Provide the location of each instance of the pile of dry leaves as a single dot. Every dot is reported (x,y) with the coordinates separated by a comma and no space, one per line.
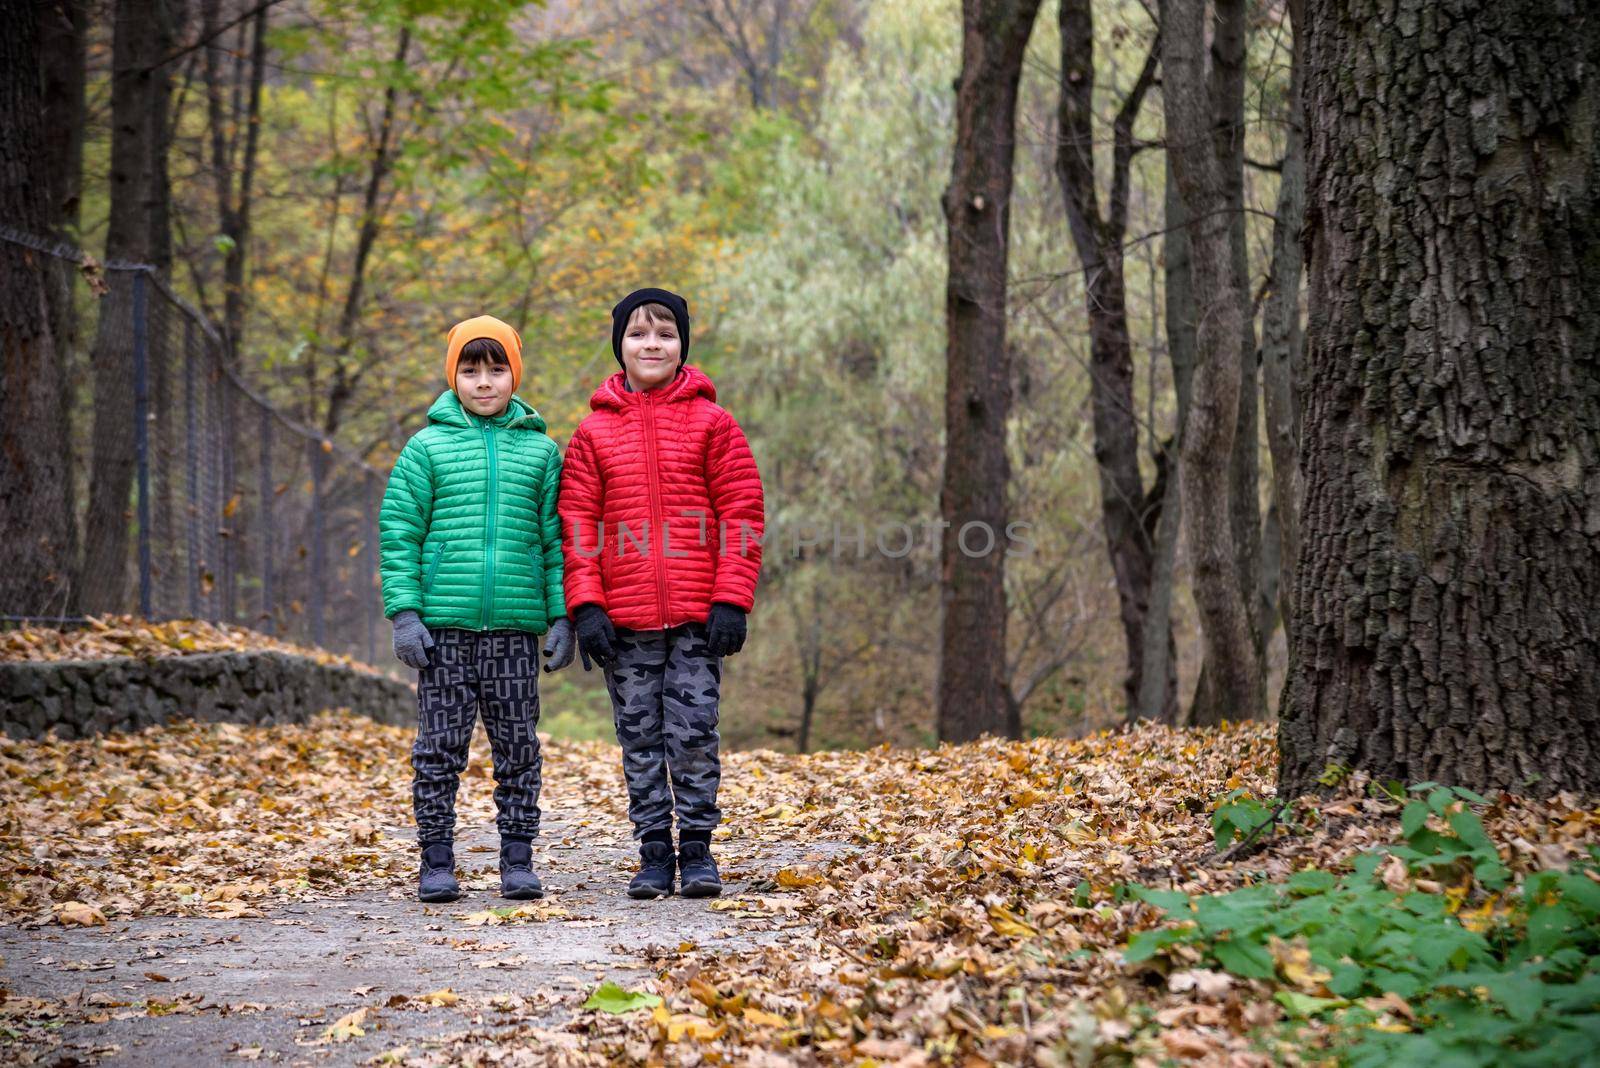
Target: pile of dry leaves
(968,915)
(113,636)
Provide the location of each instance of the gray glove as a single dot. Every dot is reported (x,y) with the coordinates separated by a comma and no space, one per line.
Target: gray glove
(411,639)
(558,645)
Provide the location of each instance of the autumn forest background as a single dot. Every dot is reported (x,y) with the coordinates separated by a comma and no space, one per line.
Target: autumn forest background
(339,183)
(1271,326)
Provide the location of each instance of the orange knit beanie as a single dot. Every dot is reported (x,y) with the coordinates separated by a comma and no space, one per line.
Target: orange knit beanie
(484,326)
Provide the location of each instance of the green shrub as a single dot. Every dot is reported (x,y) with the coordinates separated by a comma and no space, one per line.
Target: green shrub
(1494,971)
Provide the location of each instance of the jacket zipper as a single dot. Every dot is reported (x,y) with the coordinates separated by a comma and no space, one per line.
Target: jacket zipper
(657,531)
(488,531)
(433,566)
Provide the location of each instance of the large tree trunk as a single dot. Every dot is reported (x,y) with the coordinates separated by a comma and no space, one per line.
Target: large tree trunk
(1232,679)
(977,205)
(134,87)
(35,506)
(1446,625)
(64,45)
(1098,237)
(1280,334)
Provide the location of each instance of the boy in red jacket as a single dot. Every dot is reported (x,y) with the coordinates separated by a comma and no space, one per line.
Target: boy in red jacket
(661,525)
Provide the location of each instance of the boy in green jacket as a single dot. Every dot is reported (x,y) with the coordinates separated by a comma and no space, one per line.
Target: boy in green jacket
(472,572)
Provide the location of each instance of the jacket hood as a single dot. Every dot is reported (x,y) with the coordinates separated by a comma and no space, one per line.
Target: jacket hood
(691,382)
(519,414)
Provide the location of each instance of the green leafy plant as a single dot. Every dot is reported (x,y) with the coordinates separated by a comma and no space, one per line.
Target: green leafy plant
(1237,815)
(1491,971)
(1463,845)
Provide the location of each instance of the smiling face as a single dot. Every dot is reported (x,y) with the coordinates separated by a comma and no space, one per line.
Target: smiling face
(483,378)
(651,347)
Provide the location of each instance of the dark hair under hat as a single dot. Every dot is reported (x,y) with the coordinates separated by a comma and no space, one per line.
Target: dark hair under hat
(640,297)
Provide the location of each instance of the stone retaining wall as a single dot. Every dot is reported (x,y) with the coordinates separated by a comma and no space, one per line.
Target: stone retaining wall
(78,698)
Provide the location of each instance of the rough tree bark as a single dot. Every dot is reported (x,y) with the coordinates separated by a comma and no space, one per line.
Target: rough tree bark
(1446,625)
(35,511)
(1232,664)
(1098,237)
(971,697)
(64,27)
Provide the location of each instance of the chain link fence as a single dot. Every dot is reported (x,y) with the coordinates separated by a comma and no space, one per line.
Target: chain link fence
(236,513)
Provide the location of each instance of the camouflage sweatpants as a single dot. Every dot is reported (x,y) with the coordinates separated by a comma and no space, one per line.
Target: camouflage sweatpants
(495,672)
(664,687)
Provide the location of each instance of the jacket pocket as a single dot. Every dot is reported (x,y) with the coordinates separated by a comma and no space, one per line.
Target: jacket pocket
(433,566)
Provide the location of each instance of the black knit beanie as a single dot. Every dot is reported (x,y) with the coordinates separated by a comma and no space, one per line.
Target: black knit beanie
(633,301)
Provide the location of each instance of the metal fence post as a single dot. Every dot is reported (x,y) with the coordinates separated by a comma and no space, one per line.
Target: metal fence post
(371,600)
(228,528)
(193,484)
(318,550)
(141,433)
(267,533)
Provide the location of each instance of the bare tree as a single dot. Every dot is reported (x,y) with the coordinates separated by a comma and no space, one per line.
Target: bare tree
(346,377)
(235,136)
(754,33)
(971,695)
(1125,512)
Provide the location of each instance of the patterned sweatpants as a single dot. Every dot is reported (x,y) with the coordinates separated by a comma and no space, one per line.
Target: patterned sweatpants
(495,672)
(664,688)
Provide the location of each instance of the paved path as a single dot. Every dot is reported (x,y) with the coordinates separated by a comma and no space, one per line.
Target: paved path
(270,988)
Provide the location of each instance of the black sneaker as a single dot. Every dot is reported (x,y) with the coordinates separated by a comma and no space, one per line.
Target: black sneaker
(698,870)
(437,881)
(517,879)
(656,867)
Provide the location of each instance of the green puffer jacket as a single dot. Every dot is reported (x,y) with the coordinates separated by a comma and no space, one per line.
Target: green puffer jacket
(469,532)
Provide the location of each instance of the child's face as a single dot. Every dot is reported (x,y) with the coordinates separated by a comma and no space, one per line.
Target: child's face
(484,388)
(651,350)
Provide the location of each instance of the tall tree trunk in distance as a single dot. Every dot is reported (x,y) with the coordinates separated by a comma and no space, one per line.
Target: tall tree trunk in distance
(64,55)
(1446,625)
(229,130)
(134,52)
(1280,333)
(1156,701)
(35,509)
(1232,671)
(345,379)
(1098,237)
(1213,704)
(170,18)
(971,697)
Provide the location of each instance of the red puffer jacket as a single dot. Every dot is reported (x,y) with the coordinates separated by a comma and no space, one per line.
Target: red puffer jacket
(661,510)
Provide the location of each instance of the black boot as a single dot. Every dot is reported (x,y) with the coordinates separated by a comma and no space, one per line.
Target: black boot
(517,880)
(656,867)
(437,881)
(698,870)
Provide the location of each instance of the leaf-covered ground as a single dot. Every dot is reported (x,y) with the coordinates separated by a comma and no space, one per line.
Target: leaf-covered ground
(113,636)
(959,905)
